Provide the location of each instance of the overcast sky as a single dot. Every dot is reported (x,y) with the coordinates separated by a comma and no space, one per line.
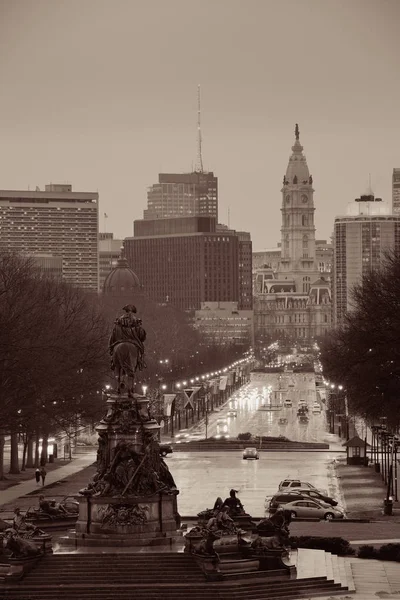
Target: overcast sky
(102,94)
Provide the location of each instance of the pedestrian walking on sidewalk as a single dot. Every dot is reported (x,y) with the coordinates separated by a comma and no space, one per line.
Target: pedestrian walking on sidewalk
(43,474)
(37,476)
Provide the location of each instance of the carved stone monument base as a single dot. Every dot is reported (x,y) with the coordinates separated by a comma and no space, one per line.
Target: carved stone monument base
(127,520)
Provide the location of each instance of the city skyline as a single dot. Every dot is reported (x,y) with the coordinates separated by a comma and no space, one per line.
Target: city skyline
(117,106)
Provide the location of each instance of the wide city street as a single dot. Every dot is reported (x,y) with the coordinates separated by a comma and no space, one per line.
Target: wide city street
(202,476)
(259,407)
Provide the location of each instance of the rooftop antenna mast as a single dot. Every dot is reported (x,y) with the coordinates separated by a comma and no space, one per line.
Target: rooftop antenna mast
(199,165)
(370,192)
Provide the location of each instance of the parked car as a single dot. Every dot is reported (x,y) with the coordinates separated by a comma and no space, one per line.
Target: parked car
(288,403)
(283,498)
(250,453)
(289,484)
(318,496)
(303,419)
(232,413)
(316,409)
(165,449)
(282,421)
(309,509)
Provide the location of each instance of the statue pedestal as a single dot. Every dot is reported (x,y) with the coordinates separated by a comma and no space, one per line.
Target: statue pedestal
(127,520)
(132,499)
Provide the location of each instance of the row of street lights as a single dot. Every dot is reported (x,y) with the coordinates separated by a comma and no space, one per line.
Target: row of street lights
(385,446)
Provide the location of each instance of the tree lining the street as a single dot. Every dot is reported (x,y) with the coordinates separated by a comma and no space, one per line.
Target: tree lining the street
(363,354)
(54,360)
(53,342)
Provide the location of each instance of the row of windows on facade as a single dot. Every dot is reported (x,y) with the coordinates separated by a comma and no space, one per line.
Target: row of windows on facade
(298,332)
(45,209)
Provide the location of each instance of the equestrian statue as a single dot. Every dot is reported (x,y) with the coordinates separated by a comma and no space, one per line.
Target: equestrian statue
(127,349)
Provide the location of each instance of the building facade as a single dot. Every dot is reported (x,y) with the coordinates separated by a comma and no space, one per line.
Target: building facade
(245,271)
(186,269)
(396,191)
(51,266)
(361,238)
(292,295)
(56,222)
(109,252)
(183,194)
(223,324)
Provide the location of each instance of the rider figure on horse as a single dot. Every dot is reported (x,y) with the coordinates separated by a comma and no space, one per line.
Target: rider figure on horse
(128,328)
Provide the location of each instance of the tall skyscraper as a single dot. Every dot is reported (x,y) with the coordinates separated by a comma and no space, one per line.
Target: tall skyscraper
(396,191)
(183,194)
(56,222)
(361,239)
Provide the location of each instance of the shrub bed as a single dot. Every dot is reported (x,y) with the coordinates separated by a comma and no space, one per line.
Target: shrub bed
(335,545)
(240,438)
(385,552)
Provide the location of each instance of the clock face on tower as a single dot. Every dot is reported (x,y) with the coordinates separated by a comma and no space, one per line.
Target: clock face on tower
(287,199)
(304,198)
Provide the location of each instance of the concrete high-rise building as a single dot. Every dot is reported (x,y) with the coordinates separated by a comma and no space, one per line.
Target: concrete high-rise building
(186,262)
(183,194)
(49,265)
(56,222)
(361,238)
(109,252)
(396,191)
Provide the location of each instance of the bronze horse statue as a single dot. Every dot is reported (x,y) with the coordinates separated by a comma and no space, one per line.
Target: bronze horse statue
(127,349)
(125,360)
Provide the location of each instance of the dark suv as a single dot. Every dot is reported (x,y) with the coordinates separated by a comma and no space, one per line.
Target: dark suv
(284,498)
(165,449)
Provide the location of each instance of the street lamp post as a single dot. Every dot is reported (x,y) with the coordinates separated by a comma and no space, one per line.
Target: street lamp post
(206,419)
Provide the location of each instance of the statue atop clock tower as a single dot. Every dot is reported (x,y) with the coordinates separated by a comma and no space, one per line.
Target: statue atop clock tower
(298,259)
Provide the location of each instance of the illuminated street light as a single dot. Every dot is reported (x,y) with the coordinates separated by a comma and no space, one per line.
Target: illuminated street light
(144,388)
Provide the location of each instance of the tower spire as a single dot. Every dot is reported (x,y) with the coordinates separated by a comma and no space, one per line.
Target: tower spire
(297,132)
(199,165)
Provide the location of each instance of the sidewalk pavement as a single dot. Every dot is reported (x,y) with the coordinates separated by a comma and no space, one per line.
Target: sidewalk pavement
(76,465)
(363,492)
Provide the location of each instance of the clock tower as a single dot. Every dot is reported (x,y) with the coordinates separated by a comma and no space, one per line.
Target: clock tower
(298,260)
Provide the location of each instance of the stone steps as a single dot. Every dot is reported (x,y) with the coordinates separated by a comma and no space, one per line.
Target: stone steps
(290,591)
(167,576)
(114,568)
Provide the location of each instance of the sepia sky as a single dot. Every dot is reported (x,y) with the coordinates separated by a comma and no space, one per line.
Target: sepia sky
(102,94)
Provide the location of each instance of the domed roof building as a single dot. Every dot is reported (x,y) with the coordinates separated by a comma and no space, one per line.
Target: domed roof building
(121,281)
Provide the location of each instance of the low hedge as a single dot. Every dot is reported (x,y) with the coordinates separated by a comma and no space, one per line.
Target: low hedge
(335,545)
(248,437)
(385,552)
(240,438)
